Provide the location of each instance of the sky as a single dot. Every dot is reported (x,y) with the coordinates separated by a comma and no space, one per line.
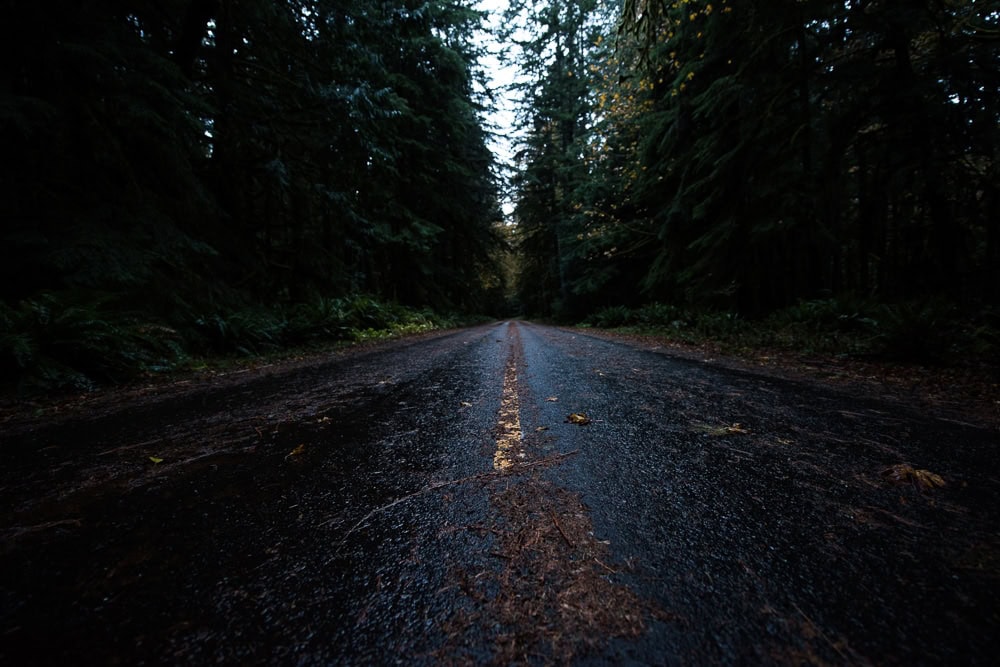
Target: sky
(501,76)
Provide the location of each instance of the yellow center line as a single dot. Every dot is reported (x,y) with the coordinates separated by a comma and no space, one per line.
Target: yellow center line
(509,426)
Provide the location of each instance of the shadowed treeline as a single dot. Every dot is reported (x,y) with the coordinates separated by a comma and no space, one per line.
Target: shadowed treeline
(177,172)
(752,157)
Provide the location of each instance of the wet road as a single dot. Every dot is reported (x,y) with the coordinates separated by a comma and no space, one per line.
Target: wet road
(432,502)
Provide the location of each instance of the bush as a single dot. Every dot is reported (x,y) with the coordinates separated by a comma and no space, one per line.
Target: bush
(844,315)
(925,331)
(613,316)
(245,332)
(980,338)
(322,319)
(915,331)
(663,315)
(75,340)
(78,340)
(719,325)
(686,324)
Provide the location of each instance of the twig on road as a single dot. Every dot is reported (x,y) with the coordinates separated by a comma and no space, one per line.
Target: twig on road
(602,564)
(135,446)
(820,632)
(20,531)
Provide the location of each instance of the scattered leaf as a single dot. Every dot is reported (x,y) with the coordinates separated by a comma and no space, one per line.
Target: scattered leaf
(578,418)
(904,473)
(298,451)
(552,399)
(541,428)
(466,404)
(156,459)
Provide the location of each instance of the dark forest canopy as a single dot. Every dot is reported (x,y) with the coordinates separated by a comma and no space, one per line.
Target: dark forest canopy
(180,160)
(191,175)
(281,147)
(747,155)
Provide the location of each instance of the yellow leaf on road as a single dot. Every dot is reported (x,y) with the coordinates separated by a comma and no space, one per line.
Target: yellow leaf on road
(298,451)
(578,418)
(904,473)
(155,459)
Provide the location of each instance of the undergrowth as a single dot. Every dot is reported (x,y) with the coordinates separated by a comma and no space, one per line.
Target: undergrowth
(81,340)
(925,332)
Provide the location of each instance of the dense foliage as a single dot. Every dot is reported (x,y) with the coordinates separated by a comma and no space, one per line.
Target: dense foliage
(749,156)
(173,165)
(192,176)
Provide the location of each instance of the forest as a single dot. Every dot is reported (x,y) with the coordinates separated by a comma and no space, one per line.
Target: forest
(187,178)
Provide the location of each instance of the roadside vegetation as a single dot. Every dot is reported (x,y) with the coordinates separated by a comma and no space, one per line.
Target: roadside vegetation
(917,332)
(57,342)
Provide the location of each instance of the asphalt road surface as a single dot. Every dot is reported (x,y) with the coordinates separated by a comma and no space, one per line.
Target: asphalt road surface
(505,494)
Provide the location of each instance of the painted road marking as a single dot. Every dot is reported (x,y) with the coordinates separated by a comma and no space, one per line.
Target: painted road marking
(509,427)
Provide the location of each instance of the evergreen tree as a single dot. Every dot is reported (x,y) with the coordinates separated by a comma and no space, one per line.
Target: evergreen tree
(272,149)
(557,100)
(806,148)
(102,146)
(173,164)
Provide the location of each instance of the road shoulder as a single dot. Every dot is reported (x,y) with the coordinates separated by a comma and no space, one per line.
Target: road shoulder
(968,396)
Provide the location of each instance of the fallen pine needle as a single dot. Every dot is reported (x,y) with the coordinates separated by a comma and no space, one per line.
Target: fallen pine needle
(19,531)
(819,631)
(601,563)
(561,531)
(127,447)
